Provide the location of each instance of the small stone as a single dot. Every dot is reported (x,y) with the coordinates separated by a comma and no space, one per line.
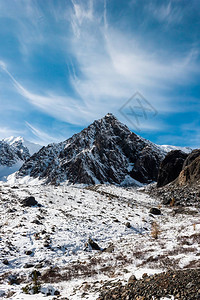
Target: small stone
(27,265)
(128,225)
(144,275)
(5,262)
(166,201)
(56,293)
(13,279)
(93,245)
(46,244)
(11,210)
(155,211)
(110,249)
(28,252)
(37,222)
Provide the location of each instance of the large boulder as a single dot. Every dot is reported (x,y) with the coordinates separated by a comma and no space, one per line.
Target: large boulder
(30,201)
(171,167)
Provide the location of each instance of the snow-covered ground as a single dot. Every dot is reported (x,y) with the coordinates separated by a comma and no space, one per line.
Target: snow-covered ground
(56,238)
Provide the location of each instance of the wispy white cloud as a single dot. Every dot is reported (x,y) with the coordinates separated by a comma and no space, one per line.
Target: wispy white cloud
(122,66)
(6,132)
(82,12)
(166,12)
(63,108)
(113,64)
(105,15)
(41,136)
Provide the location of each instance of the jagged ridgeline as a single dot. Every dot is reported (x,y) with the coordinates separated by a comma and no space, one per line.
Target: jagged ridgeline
(104,152)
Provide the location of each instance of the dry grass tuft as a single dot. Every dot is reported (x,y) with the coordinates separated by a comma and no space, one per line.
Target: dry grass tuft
(155,230)
(172,202)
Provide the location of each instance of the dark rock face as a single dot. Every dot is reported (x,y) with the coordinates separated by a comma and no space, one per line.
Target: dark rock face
(105,152)
(171,167)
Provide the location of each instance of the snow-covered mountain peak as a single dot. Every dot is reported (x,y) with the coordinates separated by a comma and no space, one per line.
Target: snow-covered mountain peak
(12,139)
(104,152)
(168,148)
(20,141)
(13,152)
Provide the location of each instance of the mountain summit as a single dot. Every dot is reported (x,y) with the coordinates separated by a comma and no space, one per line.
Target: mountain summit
(104,152)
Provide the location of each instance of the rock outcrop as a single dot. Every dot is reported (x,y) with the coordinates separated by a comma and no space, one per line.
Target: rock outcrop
(191,173)
(171,167)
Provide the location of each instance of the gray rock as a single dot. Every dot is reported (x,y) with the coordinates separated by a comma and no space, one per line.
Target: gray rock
(93,245)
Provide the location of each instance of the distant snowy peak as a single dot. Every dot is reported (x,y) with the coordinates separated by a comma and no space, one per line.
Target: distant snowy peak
(168,148)
(20,141)
(104,152)
(13,152)
(8,155)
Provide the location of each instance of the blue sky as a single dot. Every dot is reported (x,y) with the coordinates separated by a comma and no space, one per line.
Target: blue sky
(65,63)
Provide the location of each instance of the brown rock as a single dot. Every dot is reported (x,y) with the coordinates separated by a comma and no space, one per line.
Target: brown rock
(132,279)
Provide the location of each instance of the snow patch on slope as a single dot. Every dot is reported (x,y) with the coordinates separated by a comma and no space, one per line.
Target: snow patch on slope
(6,171)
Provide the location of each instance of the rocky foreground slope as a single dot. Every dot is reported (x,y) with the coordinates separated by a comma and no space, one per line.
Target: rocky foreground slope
(50,237)
(182,284)
(105,152)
